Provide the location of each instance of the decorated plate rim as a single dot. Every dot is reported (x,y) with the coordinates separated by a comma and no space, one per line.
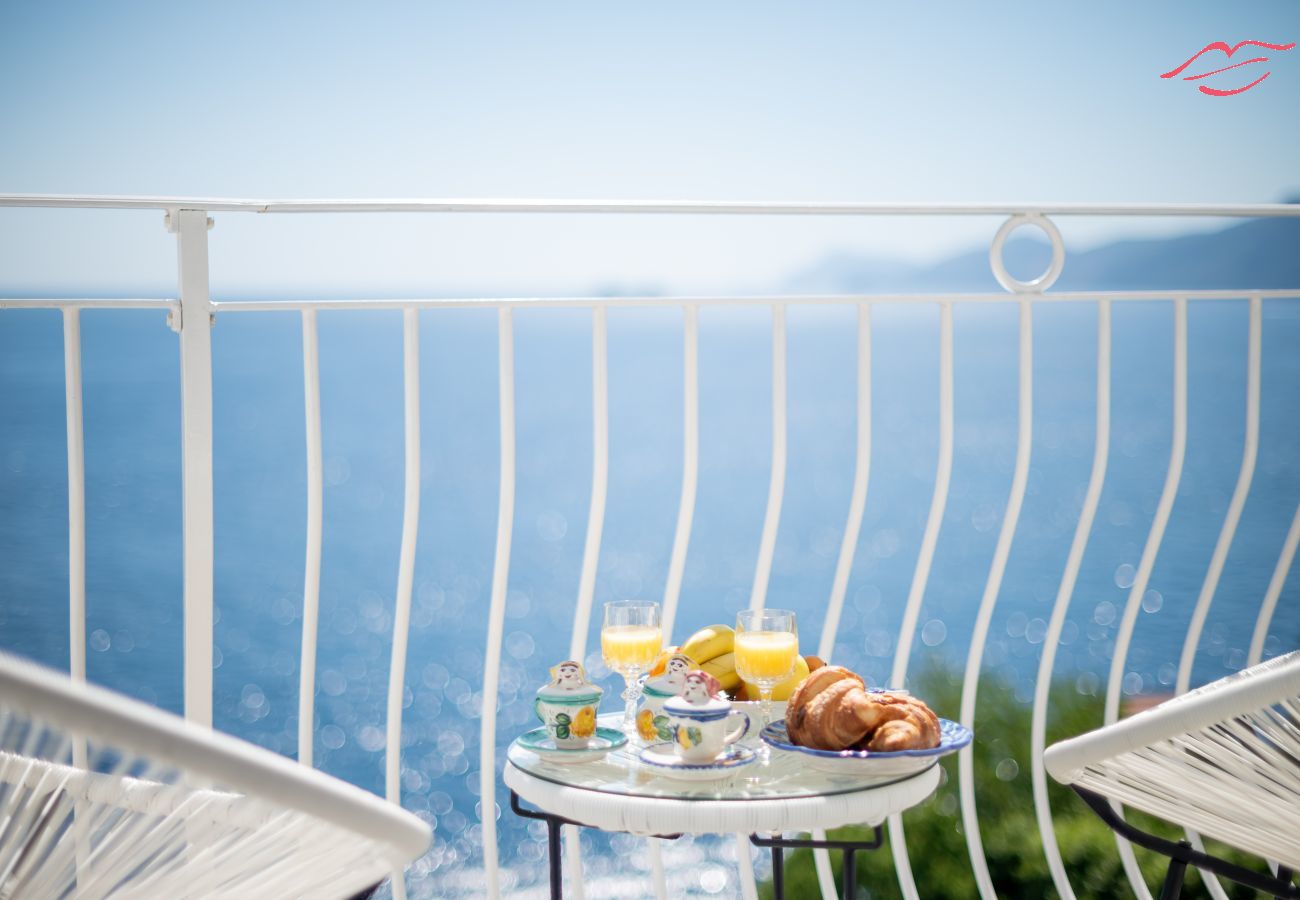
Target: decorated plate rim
(736,756)
(530,740)
(953,736)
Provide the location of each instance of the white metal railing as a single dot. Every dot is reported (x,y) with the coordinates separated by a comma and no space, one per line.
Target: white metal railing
(191,314)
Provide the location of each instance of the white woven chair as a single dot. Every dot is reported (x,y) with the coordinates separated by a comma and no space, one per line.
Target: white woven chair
(1222,760)
(102,796)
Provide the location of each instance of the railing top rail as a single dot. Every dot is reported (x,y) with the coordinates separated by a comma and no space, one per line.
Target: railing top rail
(667,300)
(642,207)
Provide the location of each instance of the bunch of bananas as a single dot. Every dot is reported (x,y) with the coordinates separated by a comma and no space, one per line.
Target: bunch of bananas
(712,649)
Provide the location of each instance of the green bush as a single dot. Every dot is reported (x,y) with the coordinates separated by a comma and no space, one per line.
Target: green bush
(1004,800)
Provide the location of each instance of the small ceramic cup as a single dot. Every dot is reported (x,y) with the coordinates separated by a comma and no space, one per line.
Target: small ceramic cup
(700,731)
(651,723)
(567,706)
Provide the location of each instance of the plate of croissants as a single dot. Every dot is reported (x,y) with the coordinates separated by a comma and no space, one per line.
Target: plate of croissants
(842,727)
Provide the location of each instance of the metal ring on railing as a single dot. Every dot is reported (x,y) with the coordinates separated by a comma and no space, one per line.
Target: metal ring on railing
(1042,282)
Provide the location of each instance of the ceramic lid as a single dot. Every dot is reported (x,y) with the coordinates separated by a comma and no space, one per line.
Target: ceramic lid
(683,707)
(588,693)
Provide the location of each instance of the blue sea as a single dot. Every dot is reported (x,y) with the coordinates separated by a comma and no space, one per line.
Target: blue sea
(133,505)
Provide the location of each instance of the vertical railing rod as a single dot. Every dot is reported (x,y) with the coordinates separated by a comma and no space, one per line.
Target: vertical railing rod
(595,527)
(1147,562)
(311,575)
(76,496)
(929,540)
(1274,590)
(1249,454)
(406,571)
(992,587)
(685,517)
(849,546)
(690,465)
(497,608)
(76,438)
(767,543)
(191,227)
(1042,687)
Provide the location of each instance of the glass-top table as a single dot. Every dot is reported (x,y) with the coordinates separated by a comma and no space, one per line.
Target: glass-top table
(779,776)
(777,794)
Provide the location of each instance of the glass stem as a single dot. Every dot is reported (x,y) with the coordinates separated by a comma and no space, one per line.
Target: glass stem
(631,694)
(765,703)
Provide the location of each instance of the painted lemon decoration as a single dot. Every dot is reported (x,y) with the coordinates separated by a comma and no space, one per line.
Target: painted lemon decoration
(645,724)
(584,723)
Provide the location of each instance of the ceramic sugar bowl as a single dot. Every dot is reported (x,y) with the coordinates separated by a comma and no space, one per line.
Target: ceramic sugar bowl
(567,706)
(651,722)
(700,724)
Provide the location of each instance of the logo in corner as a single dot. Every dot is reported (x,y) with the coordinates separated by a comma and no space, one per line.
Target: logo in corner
(1227,51)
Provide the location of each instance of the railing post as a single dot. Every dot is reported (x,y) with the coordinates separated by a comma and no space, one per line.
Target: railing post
(191,229)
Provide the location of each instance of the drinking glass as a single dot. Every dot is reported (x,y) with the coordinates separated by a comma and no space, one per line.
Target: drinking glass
(767,644)
(630,640)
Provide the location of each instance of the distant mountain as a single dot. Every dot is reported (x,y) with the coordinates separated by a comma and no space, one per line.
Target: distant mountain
(1259,253)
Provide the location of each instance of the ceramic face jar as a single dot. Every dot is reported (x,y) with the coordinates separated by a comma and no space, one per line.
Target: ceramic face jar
(651,722)
(702,725)
(567,706)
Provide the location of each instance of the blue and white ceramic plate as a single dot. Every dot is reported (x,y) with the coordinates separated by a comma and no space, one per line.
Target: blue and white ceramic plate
(540,741)
(952,737)
(663,760)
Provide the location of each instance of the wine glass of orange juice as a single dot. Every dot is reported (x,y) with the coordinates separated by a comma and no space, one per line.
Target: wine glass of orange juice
(630,641)
(767,644)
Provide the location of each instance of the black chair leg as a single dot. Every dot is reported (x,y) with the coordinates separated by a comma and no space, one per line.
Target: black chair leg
(1174,877)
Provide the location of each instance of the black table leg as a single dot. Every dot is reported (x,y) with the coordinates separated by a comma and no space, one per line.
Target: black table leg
(778,873)
(555,858)
(778,844)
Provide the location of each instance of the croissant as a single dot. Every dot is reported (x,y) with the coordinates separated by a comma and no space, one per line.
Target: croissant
(833,710)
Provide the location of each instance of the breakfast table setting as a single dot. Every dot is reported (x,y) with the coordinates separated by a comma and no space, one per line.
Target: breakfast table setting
(731,732)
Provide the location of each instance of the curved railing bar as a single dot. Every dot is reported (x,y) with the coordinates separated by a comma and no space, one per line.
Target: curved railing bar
(776,486)
(1235,506)
(1274,590)
(1249,454)
(690,465)
(595,528)
(848,548)
(930,538)
(1038,728)
(497,608)
(858,499)
(767,545)
(1147,563)
(311,575)
(975,657)
(405,569)
(643,207)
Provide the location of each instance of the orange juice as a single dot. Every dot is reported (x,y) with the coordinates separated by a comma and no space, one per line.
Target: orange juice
(766,656)
(630,647)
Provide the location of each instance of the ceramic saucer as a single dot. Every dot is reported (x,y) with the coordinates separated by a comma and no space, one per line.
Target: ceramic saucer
(540,741)
(663,760)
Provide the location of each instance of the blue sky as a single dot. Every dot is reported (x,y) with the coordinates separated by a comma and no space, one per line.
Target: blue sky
(728,100)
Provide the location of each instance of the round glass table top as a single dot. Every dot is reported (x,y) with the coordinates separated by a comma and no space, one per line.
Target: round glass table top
(773,775)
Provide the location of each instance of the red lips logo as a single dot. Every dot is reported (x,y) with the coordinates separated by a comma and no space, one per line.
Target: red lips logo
(1228,51)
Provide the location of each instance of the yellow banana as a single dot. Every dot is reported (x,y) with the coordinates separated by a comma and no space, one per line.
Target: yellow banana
(723,668)
(710,643)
